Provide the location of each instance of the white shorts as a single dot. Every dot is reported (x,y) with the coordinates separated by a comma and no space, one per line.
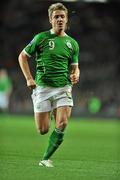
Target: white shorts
(4,100)
(46,99)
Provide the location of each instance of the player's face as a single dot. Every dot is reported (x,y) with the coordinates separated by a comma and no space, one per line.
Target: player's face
(59,20)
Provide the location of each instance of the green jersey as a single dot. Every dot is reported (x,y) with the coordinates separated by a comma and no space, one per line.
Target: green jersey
(53,54)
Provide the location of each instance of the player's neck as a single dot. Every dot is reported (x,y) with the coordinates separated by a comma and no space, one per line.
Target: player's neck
(58,33)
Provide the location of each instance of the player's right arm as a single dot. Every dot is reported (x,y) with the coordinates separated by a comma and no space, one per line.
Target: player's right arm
(23,62)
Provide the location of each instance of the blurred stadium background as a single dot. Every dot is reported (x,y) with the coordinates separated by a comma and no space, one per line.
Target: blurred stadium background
(94,24)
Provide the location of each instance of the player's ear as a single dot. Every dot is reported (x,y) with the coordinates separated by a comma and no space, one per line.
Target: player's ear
(66,19)
(50,21)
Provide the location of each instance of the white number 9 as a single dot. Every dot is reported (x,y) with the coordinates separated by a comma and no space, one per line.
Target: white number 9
(51,44)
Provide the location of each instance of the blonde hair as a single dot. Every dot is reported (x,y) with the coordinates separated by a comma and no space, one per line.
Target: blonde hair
(56,6)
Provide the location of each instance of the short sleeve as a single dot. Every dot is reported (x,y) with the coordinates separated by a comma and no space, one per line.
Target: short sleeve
(30,49)
(75,53)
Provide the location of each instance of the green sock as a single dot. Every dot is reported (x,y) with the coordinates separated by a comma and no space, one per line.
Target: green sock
(55,140)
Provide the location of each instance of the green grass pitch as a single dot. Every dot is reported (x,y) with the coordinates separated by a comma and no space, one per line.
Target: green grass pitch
(90,150)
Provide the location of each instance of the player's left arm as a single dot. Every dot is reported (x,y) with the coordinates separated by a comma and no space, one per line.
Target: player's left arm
(74,73)
(74,69)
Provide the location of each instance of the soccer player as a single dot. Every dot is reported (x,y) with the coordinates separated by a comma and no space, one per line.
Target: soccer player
(5,90)
(56,72)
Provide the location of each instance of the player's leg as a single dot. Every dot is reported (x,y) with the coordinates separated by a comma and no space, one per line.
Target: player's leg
(42,109)
(42,114)
(62,115)
(62,105)
(42,121)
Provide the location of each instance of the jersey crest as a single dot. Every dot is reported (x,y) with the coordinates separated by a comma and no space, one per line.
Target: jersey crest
(69,45)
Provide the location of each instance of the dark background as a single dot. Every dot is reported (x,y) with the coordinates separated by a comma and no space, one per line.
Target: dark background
(95,26)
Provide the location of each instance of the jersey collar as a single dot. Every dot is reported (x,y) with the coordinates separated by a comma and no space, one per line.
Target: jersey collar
(52,32)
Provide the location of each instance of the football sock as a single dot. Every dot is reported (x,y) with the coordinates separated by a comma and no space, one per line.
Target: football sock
(55,140)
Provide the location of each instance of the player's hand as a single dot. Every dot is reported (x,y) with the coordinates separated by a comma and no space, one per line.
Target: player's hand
(74,77)
(31,84)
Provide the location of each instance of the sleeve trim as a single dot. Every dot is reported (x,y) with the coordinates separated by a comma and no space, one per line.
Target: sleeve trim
(74,63)
(26,53)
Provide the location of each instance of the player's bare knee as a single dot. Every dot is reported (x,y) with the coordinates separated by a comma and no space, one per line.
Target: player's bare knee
(43,131)
(62,125)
